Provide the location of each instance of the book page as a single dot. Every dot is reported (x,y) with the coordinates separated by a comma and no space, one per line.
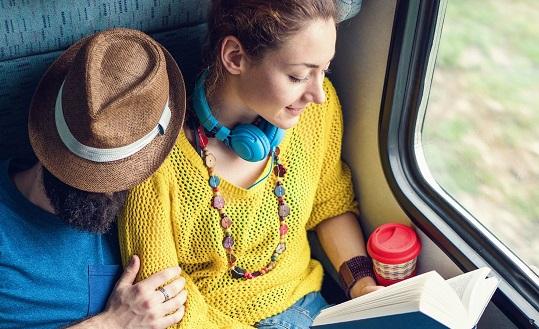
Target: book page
(480,298)
(403,290)
(421,293)
(465,284)
(459,284)
(475,291)
(441,303)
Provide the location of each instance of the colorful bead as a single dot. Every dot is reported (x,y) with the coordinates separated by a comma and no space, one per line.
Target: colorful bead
(279,170)
(214,181)
(228,242)
(210,160)
(277,151)
(283,229)
(247,275)
(218,202)
(237,272)
(279,190)
(231,259)
(284,210)
(281,247)
(226,222)
(202,138)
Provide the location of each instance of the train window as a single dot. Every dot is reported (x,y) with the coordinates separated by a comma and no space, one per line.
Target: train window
(459,132)
(480,131)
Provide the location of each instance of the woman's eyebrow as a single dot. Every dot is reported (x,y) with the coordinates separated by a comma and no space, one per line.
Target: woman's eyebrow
(312,66)
(309,65)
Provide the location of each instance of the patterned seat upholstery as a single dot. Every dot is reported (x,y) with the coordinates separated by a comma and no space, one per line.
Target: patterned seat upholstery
(34,33)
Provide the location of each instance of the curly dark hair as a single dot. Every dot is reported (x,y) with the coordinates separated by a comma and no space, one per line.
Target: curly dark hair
(88,211)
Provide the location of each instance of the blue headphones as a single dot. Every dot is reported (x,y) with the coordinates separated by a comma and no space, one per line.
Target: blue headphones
(251,142)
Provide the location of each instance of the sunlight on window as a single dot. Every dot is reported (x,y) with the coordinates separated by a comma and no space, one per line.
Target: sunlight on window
(481,130)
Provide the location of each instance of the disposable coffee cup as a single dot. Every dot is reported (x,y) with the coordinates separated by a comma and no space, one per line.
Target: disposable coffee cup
(394,249)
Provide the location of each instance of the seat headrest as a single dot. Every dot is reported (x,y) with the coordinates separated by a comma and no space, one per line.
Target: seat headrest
(37,27)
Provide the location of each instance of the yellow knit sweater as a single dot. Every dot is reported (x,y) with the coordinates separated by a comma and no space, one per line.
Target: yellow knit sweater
(168,220)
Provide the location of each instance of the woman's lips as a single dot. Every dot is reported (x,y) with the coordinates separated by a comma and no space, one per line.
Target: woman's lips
(294,110)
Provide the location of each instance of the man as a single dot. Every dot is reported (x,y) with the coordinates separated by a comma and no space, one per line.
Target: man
(103,118)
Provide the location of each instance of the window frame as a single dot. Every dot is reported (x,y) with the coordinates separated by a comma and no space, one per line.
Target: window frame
(412,53)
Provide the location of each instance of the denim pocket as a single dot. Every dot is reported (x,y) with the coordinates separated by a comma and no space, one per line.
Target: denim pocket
(101,281)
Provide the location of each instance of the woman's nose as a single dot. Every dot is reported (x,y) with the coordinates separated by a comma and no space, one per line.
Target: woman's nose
(316,91)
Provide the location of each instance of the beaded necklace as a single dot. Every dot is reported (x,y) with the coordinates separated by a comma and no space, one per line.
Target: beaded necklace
(218,203)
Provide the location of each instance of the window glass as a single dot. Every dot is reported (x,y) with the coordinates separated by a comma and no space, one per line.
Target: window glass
(480,133)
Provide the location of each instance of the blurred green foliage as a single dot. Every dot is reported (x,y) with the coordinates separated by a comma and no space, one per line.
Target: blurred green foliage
(481,130)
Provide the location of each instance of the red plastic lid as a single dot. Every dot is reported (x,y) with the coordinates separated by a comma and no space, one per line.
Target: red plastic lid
(393,244)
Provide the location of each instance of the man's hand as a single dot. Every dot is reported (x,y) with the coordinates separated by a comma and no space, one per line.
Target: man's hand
(142,304)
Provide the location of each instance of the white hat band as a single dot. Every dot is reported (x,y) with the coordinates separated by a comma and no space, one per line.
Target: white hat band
(109,154)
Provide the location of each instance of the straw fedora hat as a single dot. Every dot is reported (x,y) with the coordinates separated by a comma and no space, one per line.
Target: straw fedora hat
(108,111)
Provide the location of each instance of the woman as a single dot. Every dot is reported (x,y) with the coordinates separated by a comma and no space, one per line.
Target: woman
(233,207)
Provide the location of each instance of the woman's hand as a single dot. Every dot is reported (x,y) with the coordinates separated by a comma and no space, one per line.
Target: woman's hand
(364,286)
(143,305)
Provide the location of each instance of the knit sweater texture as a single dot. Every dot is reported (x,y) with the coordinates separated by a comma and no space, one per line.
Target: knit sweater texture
(168,221)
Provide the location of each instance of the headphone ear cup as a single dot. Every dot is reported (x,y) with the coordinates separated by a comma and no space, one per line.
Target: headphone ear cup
(249,142)
(274,134)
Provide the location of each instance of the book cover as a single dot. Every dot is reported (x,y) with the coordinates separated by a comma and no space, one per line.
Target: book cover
(413,320)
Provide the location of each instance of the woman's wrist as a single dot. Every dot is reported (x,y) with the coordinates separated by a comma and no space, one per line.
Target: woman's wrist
(353,270)
(363,286)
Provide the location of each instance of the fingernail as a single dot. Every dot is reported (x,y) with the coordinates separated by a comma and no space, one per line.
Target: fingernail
(131,261)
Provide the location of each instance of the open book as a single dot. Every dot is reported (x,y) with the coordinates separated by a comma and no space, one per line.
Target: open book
(424,301)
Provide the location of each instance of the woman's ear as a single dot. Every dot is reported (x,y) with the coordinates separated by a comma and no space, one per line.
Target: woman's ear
(233,56)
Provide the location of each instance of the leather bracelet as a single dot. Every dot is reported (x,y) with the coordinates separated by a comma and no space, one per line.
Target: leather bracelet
(354,269)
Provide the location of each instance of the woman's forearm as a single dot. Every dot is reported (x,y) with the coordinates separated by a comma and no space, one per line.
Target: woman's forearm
(341,238)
